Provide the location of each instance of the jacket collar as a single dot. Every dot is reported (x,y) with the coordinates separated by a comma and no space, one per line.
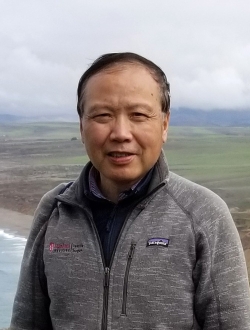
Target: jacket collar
(76,193)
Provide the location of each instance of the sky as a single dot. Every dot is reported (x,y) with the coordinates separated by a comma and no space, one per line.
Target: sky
(202,46)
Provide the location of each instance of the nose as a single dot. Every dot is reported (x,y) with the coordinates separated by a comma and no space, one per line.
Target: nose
(121,130)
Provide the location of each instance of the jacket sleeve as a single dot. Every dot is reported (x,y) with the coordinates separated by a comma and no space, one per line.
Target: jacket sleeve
(31,304)
(222,298)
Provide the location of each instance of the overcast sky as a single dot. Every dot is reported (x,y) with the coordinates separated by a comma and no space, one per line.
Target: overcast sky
(202,45)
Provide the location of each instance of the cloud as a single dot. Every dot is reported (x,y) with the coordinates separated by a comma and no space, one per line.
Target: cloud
(203,46)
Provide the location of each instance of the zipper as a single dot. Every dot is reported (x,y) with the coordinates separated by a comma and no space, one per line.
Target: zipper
(105,297)
(107,277)
(125,284)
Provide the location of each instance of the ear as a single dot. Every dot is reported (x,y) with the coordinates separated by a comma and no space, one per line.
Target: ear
(81,130)
(165,126)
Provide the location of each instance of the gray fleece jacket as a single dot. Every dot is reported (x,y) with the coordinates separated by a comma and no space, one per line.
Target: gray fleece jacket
(178,264)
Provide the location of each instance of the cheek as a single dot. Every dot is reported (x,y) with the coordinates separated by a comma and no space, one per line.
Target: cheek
(94,135)
(151,140)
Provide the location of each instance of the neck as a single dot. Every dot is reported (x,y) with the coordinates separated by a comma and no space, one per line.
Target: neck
(110,194)
(112,191)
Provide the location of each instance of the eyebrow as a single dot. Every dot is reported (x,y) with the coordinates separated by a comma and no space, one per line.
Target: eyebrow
(140,105)
(98,106)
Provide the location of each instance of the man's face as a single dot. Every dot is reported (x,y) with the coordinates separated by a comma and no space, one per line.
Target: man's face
(123,127)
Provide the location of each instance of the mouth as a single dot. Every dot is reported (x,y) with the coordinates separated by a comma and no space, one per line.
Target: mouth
(119,154)
(121,158)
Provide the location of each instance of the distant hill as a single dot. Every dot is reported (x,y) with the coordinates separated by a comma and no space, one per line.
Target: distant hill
(179,117)
(5,118)
(222,118)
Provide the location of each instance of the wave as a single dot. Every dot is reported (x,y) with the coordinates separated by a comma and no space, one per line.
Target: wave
(9,236)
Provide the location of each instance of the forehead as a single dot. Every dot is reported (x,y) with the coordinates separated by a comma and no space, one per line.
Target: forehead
(130,77)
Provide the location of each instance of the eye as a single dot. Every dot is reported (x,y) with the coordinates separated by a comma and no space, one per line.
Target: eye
(102,117)
(139,116)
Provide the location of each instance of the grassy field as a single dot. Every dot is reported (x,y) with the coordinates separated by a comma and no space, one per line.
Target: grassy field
(39,130)
(218,158)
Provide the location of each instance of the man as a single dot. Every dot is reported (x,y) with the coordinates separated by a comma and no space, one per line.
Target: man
(130,245)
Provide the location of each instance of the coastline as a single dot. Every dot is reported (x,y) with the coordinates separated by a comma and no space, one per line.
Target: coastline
(14,230)
(15,222)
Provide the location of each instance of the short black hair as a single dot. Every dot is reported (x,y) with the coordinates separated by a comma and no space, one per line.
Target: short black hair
(110,59)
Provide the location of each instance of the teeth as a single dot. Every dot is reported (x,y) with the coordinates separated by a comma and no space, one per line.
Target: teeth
(117,155)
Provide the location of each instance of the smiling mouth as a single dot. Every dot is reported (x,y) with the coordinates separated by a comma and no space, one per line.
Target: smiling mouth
(119,154)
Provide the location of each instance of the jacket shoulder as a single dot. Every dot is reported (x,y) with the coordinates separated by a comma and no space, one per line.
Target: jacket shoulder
(181,186)
(48,199)
(198,202)
(45,208)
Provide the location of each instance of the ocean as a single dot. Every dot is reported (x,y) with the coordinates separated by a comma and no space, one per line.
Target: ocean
(11,252)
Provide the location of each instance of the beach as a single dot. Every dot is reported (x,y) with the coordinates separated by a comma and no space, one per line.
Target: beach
(15,222)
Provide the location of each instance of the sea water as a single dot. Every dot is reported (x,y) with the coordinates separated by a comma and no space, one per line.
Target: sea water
(11,253)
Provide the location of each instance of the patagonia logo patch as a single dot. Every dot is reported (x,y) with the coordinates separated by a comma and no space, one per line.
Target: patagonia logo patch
(158,241)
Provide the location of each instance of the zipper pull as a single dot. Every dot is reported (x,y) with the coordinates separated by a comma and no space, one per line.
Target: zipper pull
(106,277)
(131,251)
